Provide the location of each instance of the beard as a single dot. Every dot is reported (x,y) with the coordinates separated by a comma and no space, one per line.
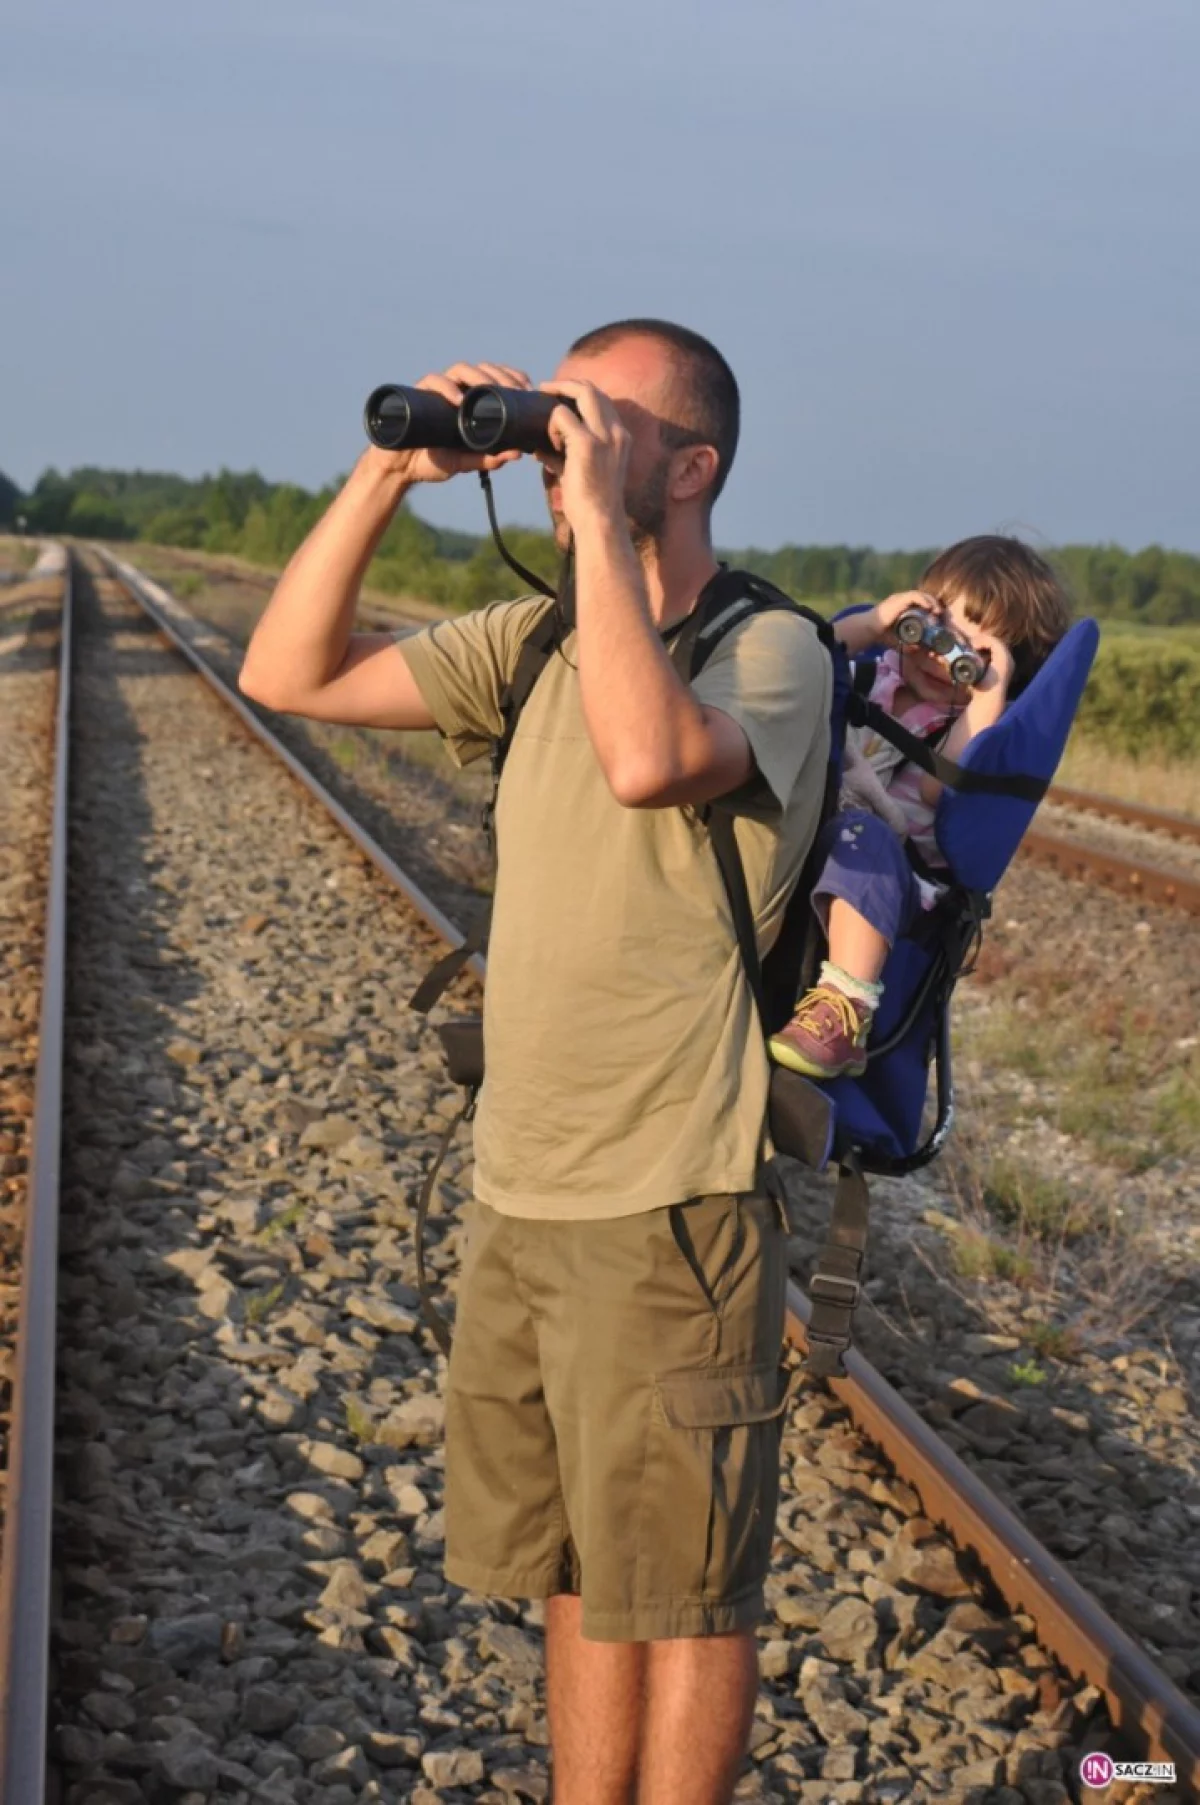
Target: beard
(645,510)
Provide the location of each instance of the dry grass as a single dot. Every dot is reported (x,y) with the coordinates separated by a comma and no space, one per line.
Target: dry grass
(1080,1261)
(230,593)
(1114,1084)
(1107,1062)
(1157,782)
(17,554)
(189,574)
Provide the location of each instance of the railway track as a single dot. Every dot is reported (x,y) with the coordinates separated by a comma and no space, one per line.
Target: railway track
(1134,871)
(233,1244)
(1160,821)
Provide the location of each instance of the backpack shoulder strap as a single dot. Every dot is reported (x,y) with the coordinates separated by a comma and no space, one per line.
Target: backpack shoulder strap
(730,598)
(727,599)
(863,713)
(733,875)
(540,645)
(862,680)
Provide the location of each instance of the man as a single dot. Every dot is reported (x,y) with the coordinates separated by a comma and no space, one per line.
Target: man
(613,1394)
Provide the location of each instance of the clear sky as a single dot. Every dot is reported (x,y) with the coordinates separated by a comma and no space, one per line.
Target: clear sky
(951,247)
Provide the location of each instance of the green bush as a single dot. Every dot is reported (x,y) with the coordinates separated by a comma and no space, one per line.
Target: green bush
(93,517)
(184,527)
(1143,697)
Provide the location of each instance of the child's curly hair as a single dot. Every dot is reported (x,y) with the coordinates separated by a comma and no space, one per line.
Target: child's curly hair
(1006,588)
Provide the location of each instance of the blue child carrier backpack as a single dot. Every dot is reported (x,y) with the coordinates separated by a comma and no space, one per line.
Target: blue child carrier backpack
(875,1123)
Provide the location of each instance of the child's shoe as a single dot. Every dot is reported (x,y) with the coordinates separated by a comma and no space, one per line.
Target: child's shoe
(827,1036)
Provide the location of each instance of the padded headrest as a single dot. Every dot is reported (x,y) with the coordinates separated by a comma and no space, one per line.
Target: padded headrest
(978,835)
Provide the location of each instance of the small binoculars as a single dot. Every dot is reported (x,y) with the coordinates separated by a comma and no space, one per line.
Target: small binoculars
(487,419)
(965,665)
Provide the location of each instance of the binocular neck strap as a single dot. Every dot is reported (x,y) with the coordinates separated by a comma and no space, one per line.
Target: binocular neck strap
(526,575)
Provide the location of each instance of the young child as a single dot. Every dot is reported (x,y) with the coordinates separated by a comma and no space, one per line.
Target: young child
(881,857)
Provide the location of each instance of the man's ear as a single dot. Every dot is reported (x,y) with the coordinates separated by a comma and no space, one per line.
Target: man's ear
(695,470)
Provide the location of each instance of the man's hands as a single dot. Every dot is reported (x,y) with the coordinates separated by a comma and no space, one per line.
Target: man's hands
(592,446)
(595,451)
(304,656)
(423,465)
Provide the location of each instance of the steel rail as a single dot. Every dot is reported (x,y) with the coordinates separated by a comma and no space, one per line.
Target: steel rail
(1070,1623)
(1135,814)
(29,1510)
(1144,883)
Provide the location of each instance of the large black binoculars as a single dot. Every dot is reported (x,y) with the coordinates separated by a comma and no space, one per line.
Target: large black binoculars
(487,419)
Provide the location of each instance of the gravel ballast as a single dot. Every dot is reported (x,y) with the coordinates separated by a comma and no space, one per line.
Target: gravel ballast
(30,615)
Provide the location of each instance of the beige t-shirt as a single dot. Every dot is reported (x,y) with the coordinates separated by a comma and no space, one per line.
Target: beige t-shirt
(626,1069)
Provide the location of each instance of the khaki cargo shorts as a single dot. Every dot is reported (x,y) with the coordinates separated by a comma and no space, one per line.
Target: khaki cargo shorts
(613,1413)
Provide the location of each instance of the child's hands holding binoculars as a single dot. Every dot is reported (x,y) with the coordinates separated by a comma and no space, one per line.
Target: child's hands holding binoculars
(916,621)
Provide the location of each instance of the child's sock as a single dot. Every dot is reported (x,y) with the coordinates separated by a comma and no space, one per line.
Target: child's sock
(861,989)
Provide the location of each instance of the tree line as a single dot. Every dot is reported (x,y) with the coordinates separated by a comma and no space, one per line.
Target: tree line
(241,512)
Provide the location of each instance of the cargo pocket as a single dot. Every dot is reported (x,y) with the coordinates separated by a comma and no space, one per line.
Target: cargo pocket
(711,1483)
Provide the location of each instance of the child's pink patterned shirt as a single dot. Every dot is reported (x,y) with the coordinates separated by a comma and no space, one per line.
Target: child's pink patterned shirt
(904,784)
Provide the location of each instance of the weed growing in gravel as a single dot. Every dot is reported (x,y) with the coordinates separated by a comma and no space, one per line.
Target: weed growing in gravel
(1177,1106)
(978,1256)
(1045,1208)
(345,751)
(1027,1372)
(263,1302)
(359,1421)
(1052,1342)
(281,1223)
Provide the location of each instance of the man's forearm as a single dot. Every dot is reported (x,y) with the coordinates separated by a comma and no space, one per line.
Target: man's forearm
(651,735)
(306,627)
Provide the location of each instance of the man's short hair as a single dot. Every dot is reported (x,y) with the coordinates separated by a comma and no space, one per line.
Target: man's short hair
(709,404)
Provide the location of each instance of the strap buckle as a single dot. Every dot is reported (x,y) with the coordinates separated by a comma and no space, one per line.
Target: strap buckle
(832,1288)
(826,1357)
